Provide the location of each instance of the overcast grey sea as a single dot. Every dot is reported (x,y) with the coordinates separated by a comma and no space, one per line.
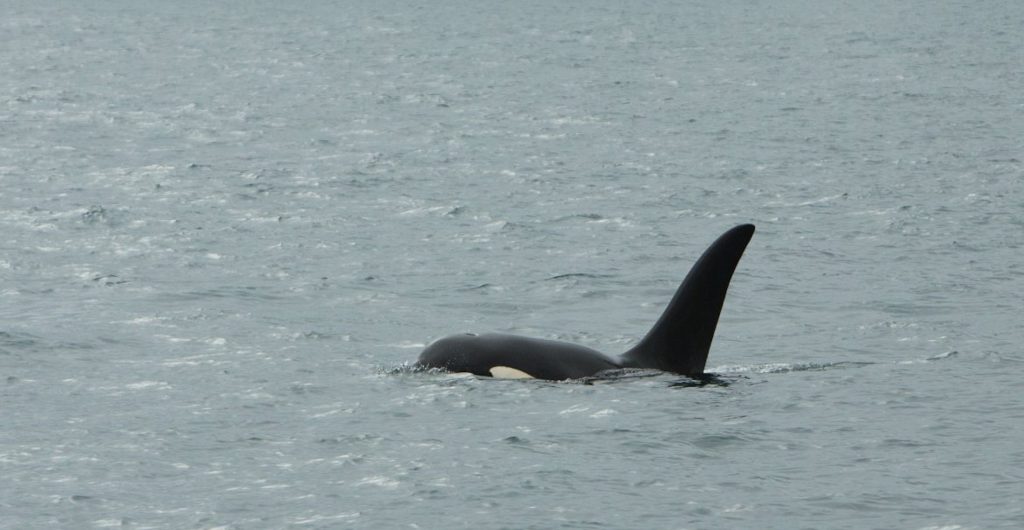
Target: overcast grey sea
(228,227)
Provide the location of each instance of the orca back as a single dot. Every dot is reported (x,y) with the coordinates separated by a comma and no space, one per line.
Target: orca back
(491,353)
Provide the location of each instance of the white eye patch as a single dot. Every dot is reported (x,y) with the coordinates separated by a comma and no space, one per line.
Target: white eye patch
(504,372)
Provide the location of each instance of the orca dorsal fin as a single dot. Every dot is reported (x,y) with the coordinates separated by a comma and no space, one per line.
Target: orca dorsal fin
(680,340)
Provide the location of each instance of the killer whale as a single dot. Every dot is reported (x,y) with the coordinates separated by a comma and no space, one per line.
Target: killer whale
(678,342)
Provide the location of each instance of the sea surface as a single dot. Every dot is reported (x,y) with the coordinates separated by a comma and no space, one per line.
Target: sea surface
(228,228)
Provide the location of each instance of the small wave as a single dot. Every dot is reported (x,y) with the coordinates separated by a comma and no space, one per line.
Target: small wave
(408,345)
(483,287)
(584,216)
(604,377)
(631,374)
(571,275)
(941,356)
(812,202)
(16,339)
(443,210)
(407,368)
(440,375)
(781,368)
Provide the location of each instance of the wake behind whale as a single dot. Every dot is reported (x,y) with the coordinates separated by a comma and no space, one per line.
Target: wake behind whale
(678,342)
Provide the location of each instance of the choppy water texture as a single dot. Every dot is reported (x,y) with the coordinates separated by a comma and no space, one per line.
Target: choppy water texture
(227,227)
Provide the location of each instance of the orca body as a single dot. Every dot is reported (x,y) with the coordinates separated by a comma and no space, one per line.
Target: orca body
(679,342)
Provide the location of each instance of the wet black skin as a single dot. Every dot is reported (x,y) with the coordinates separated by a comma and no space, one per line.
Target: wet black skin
(679,342)
(542,359)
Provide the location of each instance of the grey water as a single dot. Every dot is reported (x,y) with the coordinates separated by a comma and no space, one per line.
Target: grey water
(228,228)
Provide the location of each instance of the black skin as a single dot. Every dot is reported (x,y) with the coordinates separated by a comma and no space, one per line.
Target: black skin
(679,342)
(542,359)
